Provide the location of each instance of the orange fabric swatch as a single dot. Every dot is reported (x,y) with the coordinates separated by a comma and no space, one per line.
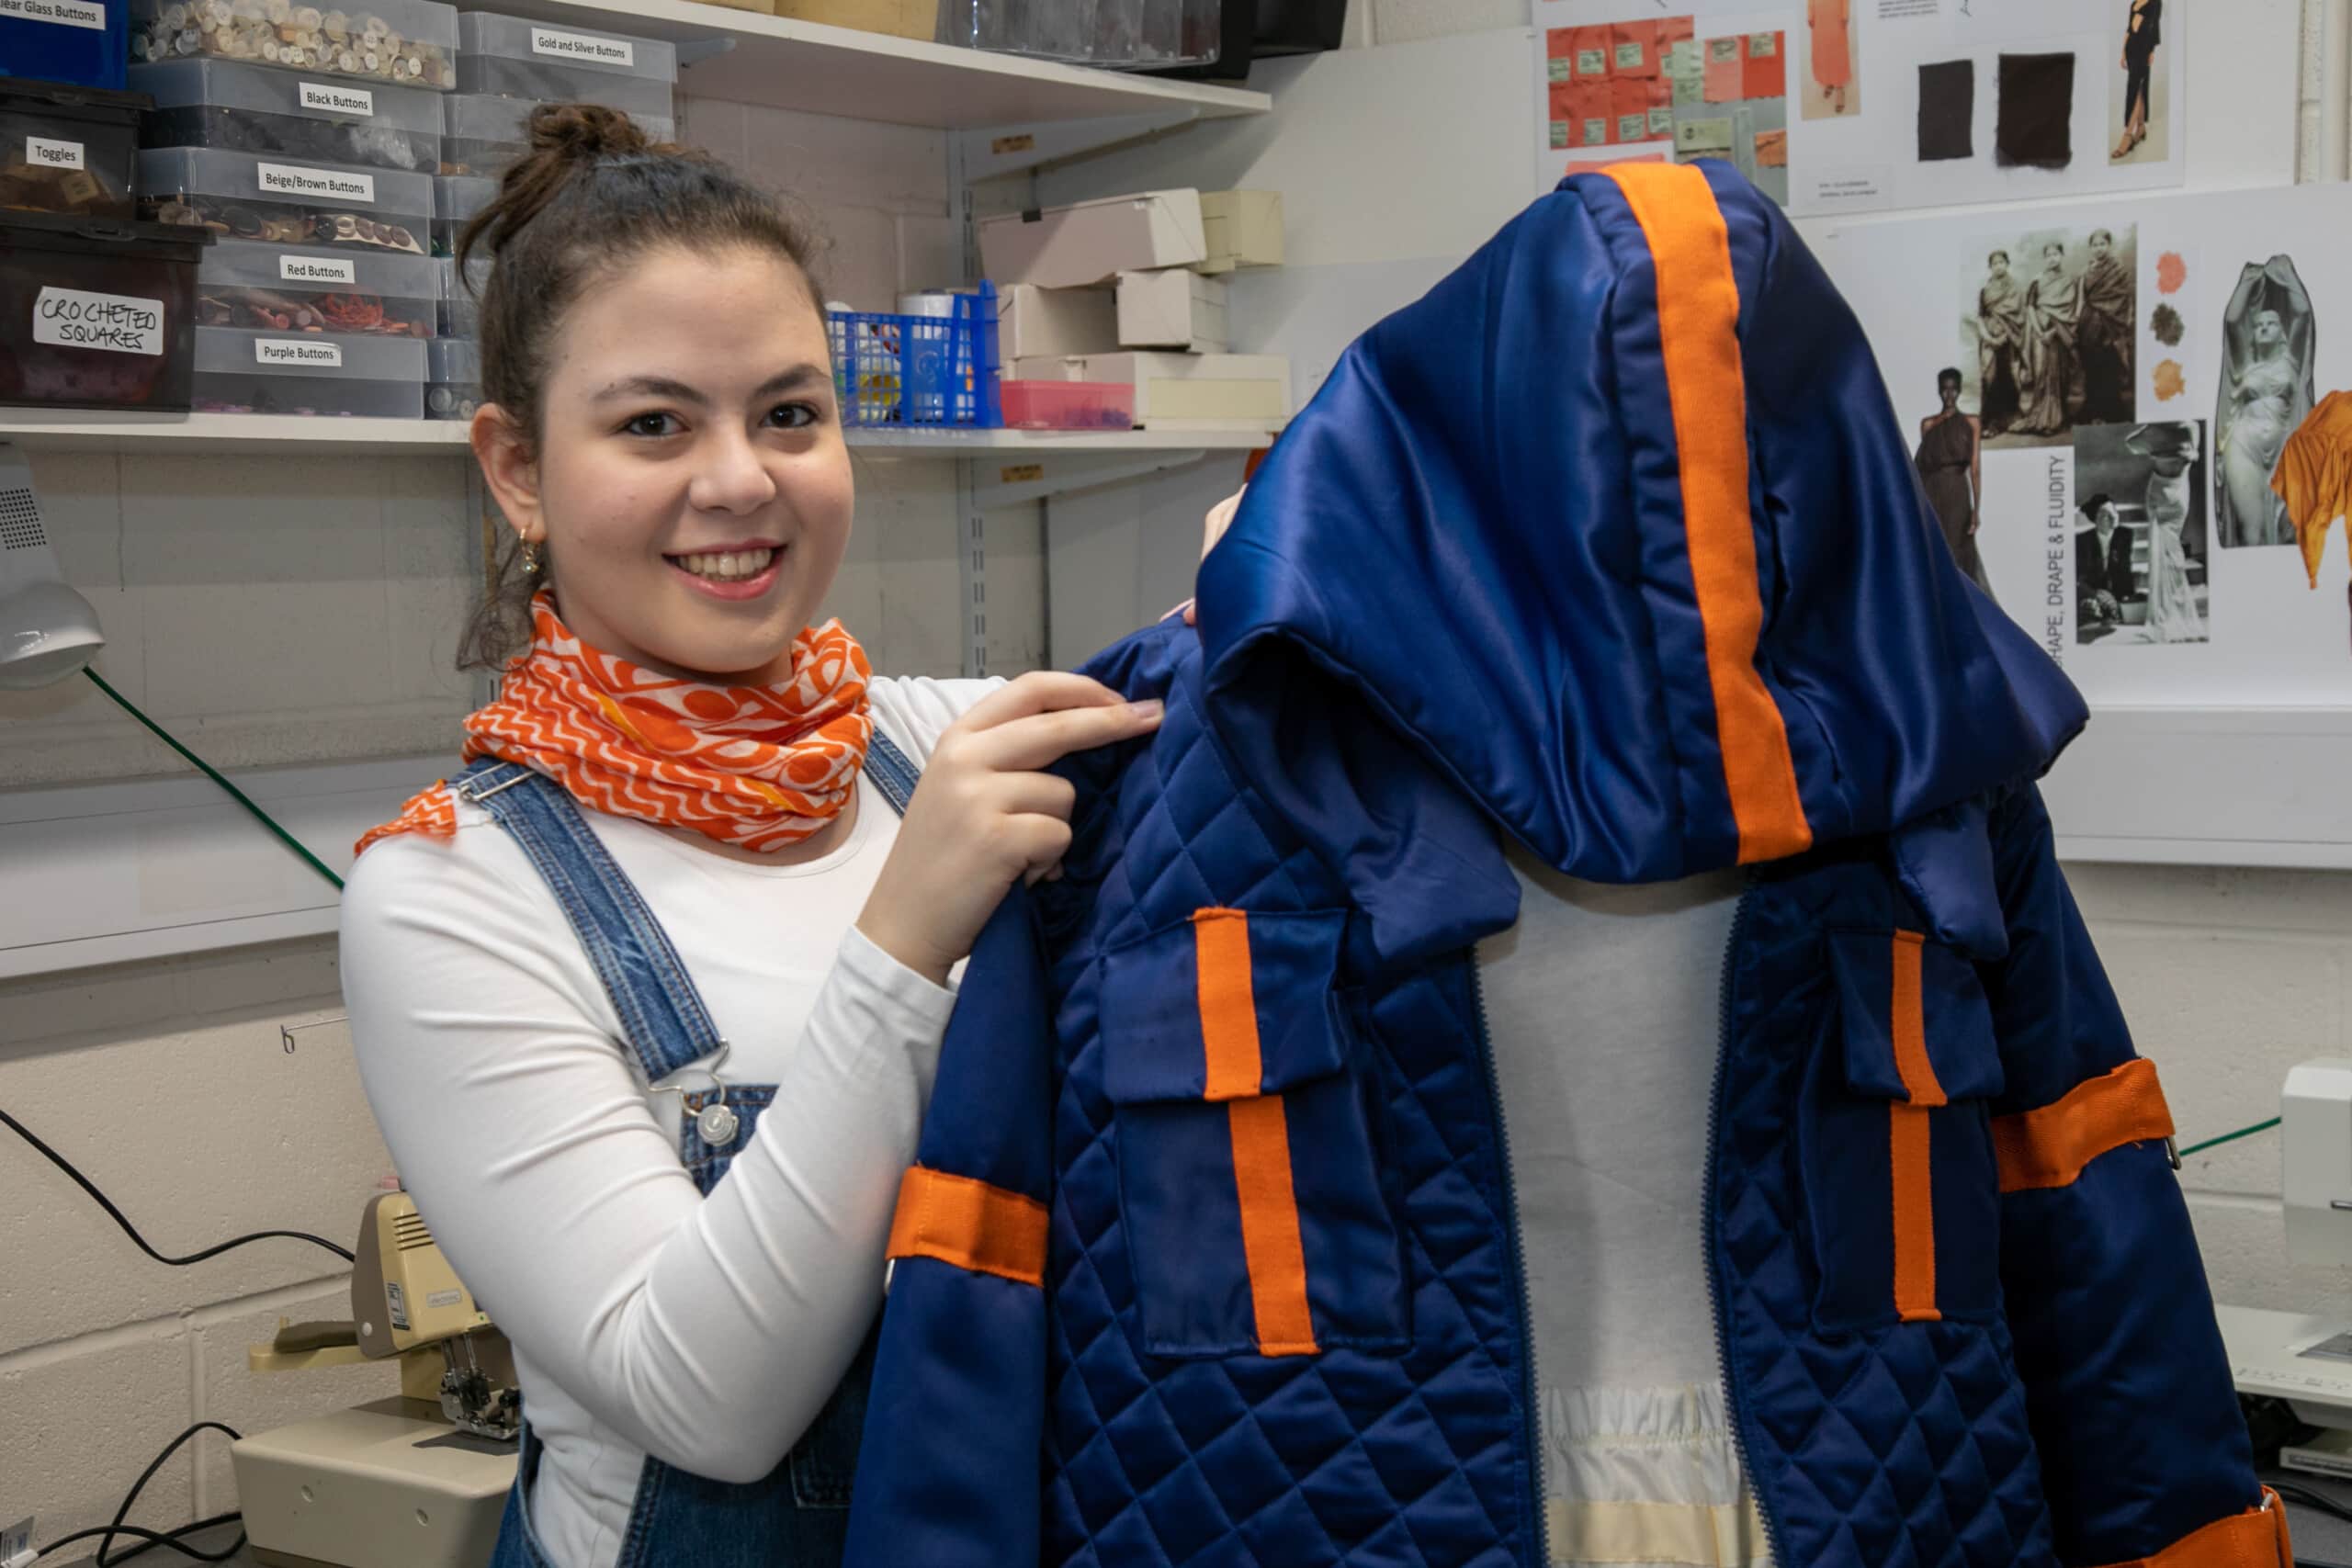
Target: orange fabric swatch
(1765,71)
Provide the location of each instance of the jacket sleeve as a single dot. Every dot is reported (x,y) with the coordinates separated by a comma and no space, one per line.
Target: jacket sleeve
(948,1469)
(2143,1451)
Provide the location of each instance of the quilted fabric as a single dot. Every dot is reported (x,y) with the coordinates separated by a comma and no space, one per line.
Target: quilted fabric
(1346,1457)
(1894,1446)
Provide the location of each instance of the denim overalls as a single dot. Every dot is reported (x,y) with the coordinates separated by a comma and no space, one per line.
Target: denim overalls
(797,1515)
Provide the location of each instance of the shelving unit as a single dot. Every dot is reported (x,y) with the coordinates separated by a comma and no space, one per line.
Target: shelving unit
(276,434)
(824,70)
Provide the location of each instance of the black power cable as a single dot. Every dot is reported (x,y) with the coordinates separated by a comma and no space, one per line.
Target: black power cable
(153,1538)
(103,1201)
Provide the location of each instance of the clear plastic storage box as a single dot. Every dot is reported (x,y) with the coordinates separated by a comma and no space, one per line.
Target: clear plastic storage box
(1070,405)
(245,195)
(82,43)
(308,372)
(461,303)
(314,288)
(311,117)
(456,199)
(452,377)
(408,43)
(95,312)
(512,58)
(68,150)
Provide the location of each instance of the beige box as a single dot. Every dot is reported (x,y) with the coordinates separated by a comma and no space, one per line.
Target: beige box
(899,19)
(1241,228)
(1033,320)
(1177,390)
(1094,242)
(1172,309)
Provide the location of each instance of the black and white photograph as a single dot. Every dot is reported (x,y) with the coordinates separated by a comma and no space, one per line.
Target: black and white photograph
(2141,553)
(2048,324)
(2269,340)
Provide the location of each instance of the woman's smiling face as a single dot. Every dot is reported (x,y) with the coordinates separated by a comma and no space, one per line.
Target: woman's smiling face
(690,484)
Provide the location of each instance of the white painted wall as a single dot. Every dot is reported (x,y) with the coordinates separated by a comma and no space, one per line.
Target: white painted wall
(276,611)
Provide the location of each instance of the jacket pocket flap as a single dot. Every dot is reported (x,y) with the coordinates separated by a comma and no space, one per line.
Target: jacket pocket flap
(1915,1022)
(1225,1006)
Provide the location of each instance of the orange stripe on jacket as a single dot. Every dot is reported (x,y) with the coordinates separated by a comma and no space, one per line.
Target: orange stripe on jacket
(983,1229)
(2048,1147)
(2255,1538)
(1698,321)
(1271,1247)
(1910,1143)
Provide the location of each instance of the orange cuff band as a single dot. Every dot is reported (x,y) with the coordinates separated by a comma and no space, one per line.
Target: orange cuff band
(2048,1147)
(2255,1538)
(984,1229)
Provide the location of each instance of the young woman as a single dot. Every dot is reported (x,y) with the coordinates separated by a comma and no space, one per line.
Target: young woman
(1951,464)
(648,1000)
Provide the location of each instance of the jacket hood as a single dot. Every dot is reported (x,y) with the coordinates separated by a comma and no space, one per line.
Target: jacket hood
(1617,532)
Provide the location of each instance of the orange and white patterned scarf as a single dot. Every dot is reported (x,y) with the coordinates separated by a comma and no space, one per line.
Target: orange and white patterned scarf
(763,767)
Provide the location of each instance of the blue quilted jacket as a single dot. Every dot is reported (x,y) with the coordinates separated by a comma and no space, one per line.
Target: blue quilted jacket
(1610,544)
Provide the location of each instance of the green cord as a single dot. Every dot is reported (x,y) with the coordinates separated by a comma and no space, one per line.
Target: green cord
(242,798)
(2230,1138)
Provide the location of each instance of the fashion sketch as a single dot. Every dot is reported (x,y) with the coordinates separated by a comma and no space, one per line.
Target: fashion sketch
(2143,31)
(1832,91)
(2268,342)
(2054,338)
(1951,473)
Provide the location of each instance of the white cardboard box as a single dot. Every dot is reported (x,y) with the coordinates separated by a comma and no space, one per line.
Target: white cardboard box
(1033,320)
(1177,389)
(1241,228)
(1094,242)
(1176,308)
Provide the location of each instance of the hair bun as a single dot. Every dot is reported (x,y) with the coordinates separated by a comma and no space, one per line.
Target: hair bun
(583,132)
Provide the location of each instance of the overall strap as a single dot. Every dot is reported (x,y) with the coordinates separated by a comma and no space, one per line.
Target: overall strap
(891,770)
(661,1014)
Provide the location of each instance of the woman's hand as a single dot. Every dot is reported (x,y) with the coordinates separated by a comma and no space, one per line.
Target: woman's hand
(984,814)
(1212,527)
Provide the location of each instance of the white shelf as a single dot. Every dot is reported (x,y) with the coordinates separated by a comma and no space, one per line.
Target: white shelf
(260,435)
(838,71)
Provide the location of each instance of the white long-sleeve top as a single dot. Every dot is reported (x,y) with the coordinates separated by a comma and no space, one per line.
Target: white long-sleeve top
(647,1319)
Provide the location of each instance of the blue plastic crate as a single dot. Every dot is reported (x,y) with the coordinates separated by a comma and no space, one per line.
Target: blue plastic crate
(86,43)
(926,372)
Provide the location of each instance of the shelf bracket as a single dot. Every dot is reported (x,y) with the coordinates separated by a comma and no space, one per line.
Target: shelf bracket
(1012,478)
(1012,149)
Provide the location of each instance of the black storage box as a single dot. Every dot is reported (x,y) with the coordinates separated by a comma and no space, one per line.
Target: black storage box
(96,313)
(68,150)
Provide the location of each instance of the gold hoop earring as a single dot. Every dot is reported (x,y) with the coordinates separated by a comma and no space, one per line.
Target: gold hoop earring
(530,559)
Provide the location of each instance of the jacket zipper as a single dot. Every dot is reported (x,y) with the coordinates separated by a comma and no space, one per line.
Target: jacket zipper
(1735,1393)
(1534,1524)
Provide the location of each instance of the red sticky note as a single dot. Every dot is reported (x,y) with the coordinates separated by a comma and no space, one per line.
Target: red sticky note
(1672,30)
(1726,70)
(1589,48)
(1590,113)
(1629,109)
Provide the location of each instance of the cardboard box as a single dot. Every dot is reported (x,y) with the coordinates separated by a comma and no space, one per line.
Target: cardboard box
(1094,242)
(1175,309)
(1176,390)
(899,19)
(1031,321)
(1241,228)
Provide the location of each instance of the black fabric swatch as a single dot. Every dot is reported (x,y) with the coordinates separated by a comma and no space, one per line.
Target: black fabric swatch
(2037,111)
(1947,110)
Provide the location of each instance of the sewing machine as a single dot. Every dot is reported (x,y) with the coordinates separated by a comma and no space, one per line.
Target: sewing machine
(2306,1359)
(416,1481)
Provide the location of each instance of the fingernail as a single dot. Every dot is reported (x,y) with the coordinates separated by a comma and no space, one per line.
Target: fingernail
(1149,710)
